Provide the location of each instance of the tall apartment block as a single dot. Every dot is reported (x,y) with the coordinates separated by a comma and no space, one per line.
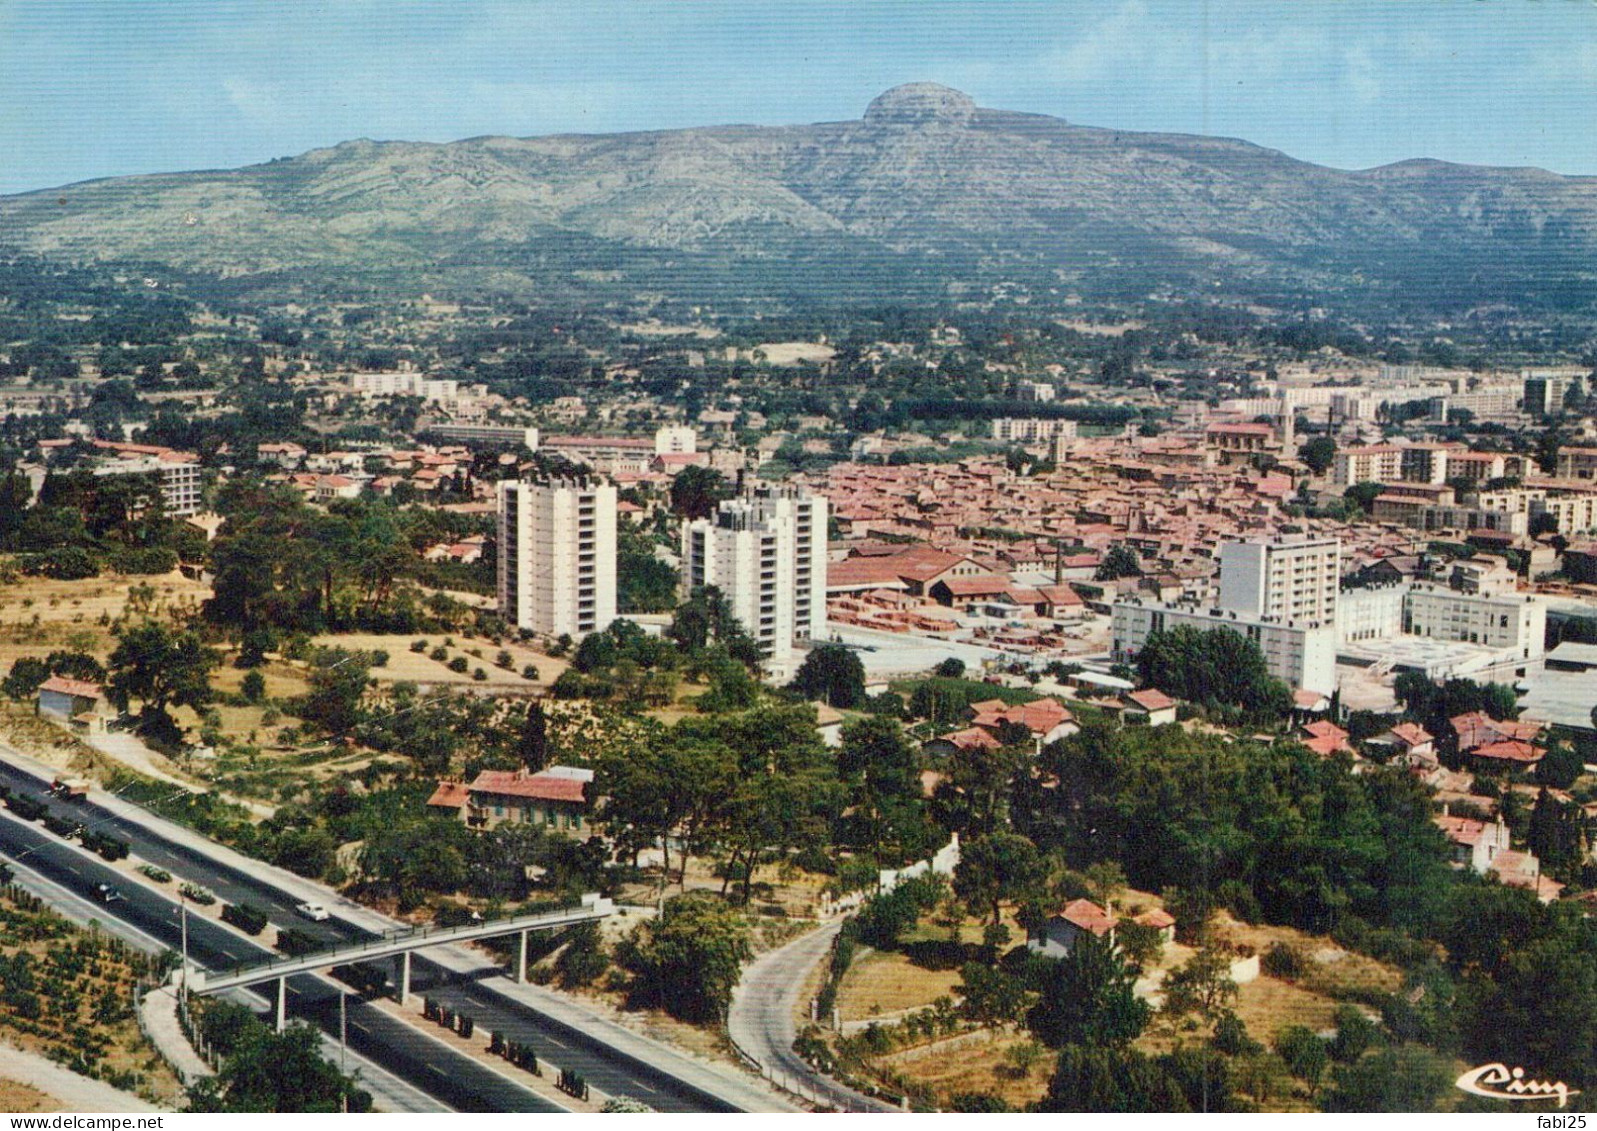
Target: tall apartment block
(557,555)
(766,552)
(1289,580)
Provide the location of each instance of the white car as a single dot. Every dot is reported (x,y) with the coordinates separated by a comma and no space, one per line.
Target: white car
(315,912)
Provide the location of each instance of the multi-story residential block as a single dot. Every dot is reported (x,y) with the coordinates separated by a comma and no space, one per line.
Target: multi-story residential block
(177,473)
(1546,389)
(1031,429)
(515,434)
(557,555)
(1577,463)
(404,384)
(1376,463)
(766,553)
(1300,655)
(1038,392)
(1282,579)
(1511,621)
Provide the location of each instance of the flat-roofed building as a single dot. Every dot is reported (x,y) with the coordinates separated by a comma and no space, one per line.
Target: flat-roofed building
(557,555)
(1282,578)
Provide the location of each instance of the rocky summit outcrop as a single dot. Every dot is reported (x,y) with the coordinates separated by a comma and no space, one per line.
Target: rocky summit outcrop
(927,194)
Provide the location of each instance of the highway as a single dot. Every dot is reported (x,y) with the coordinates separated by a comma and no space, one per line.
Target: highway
(433,1067)
(605,1069)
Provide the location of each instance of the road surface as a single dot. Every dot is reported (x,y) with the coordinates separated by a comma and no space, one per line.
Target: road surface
(761,1021)
(614,1063)
(436,1069)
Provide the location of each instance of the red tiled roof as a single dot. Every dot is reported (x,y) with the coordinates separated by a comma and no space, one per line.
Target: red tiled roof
(1309,700)
(539,787)
(976,586)
(79,688)
(1510,750)
(1158,918)
(449,795)
(1461,830)
(1039,716)
(1477,729)
(1412,734)
(970,738)
(1087,915)
(1151,699)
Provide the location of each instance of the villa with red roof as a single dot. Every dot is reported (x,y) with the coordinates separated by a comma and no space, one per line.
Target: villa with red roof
(556,798)
(1076,918)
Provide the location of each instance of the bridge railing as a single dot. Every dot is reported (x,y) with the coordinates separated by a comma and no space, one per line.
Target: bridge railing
(338,953)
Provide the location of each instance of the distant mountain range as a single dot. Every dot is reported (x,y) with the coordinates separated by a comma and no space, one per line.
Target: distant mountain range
(926,196)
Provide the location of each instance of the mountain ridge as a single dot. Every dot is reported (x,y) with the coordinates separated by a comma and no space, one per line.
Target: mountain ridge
(926,195)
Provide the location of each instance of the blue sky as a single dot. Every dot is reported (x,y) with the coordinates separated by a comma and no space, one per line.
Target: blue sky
(94,88)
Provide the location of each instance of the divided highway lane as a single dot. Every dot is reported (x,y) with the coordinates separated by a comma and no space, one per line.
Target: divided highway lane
(606,1071)
(457,1080)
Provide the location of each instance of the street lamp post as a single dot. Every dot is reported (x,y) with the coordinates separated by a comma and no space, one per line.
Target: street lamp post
(183,913)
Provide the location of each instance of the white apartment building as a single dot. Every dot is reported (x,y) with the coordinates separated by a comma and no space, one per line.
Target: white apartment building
(1377,463)
(1545,389)
(557,555)
(515,434)
(1300,655)
(181,481)
(675,439)
(1282,579)
(766,552)
(1039,392)
(1511,622)
(1370,614)
(1032,429)
(409,385)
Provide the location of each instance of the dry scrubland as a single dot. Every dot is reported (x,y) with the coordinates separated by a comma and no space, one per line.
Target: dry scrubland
(883,986)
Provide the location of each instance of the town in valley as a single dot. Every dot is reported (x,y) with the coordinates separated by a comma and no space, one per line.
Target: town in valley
(816,625)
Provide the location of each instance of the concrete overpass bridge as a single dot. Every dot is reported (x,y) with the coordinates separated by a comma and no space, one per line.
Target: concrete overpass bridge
(399,947)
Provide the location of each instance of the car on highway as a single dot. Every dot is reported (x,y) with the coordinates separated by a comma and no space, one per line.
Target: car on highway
(105,893)
(315,912)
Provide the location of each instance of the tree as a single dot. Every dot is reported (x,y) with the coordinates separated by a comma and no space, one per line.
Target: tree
(27,673)
(689,959)
(1305,1054)
(277,1072)
(886,813)
(1087,999)
(1405,1078)
(1318,454)
(1091,1078)
(1217,665)
(696,491)
(832,674)
(253,686)
(1363,495)
(1548,445)
(1355,1033)
(533,746)
(1561,765)
(1120,561)
(338,680)
(951,668)
(161,668)
(1202,985)
(996,867)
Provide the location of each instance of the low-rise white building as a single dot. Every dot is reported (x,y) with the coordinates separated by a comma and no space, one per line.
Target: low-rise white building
(1300,654)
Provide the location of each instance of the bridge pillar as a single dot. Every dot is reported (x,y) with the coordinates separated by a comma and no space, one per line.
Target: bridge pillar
(521,958)
(404,978)
(282,1003)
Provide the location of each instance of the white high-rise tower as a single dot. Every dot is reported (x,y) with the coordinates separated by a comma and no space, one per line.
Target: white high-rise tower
(557,555)
(766,552)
